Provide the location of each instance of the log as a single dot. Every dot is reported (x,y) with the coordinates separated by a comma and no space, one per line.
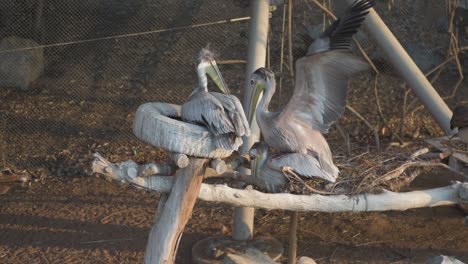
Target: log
(175,213)
(127,170)
(218,165)
(385,201)
(181,160)
(150,169)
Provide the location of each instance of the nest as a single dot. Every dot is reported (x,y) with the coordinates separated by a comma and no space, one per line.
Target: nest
(370,173)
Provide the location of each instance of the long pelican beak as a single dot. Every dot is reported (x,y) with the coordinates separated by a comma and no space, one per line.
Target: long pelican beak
(213,71)
(257,89)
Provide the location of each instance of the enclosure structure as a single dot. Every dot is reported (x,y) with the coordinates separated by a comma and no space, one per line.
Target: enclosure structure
(85,103)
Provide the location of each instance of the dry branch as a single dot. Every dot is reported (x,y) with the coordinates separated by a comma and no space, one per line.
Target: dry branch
(376,134)
(384,201)
(175,213)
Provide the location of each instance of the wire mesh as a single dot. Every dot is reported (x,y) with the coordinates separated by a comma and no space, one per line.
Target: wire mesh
(85,98)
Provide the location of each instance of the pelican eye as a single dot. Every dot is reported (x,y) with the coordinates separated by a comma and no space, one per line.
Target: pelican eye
(252,82)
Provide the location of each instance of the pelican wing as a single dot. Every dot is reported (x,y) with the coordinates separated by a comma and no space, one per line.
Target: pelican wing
(205,109)
(319,97)
(236,113)
(303,164)
(338,36)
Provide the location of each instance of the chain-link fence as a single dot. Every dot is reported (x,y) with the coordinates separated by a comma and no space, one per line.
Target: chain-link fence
(100,59)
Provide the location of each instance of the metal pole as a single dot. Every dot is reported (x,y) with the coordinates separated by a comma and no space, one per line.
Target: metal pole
(418,83)
(258,33)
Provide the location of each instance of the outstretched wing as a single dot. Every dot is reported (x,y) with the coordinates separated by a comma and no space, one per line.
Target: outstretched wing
(319,97)
(320,90)
(303,164)
(338,36)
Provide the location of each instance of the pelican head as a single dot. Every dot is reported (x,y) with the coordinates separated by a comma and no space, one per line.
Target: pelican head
(261,80)
(258,156)
(206,65)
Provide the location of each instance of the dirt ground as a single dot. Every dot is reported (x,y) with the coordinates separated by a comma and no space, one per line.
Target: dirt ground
(85,102)
(90,220)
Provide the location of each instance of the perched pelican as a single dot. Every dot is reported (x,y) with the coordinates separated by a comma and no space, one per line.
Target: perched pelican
(319,97)
(460,120)
(267,168)
(221,113)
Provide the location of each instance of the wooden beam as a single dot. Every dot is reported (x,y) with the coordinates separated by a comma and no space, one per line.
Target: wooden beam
(175,213)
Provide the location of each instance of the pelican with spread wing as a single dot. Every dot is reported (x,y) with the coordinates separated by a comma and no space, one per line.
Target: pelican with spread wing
(221,113)
(319,97)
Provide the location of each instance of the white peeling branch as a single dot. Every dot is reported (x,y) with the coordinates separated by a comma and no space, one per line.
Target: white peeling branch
(335,203)
(127,170)
(452,194)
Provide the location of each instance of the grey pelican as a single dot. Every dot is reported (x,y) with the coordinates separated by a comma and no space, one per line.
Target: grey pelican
(221,113)
(268,168)
(460,120)
(319,96)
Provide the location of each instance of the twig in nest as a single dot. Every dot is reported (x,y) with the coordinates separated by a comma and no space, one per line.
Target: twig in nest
(358,156)
(403,111)
(376,135)
(345,137)
(418,153)
(398,171)
(293,177)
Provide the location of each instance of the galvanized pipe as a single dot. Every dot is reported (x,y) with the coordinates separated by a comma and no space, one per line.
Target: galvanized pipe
(416,80)
(256,57)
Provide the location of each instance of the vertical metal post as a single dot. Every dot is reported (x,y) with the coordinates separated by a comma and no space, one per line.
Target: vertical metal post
(416,80)
(258,34)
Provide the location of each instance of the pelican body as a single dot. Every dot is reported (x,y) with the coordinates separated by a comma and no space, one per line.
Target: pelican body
(267,168)
(221,113)
(319,96)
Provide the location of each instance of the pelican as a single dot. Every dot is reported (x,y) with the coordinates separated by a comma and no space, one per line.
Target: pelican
(319,96)
(460,120)
(268,168)
(221,113)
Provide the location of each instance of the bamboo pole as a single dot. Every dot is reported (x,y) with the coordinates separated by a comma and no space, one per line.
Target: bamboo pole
(258,37)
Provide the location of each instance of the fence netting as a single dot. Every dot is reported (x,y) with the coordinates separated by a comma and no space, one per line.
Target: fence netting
(100,59)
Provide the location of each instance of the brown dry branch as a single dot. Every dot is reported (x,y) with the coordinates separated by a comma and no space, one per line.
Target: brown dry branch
(345,137)
(283,26)
(453,52)
(403,111)
(231,62)
(290,47)
(395,173)
(376,134)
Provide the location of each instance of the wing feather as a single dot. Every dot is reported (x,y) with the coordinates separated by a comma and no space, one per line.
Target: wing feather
(339,35)
(319,97)
(236,113)
(304,164)
(203,108)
